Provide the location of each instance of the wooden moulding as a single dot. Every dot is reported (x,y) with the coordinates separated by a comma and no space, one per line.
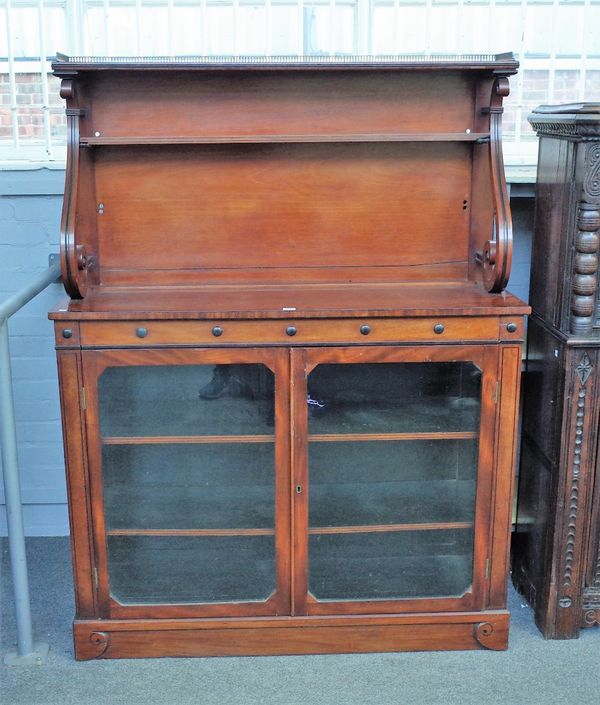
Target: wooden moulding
(290,636)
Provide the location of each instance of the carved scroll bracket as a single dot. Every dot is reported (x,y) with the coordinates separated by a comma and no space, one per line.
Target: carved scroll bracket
(497,255)
(74,259)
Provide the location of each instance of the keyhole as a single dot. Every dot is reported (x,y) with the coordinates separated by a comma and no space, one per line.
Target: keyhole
(298,489)
(465,204)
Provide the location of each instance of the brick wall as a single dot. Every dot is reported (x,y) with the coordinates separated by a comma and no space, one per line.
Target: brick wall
(30,109)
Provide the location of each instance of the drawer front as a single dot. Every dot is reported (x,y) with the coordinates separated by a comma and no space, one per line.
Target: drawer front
(291,332)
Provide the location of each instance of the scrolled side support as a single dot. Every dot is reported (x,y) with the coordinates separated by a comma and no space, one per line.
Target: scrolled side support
(73,257)
(496,258)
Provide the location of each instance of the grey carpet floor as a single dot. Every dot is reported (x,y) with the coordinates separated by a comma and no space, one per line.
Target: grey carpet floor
(531,672)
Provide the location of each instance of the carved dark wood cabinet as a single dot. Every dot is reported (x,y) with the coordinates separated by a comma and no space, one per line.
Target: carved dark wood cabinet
(289,369)
(556,562)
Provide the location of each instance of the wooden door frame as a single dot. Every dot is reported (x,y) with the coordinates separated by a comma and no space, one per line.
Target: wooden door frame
(304,360)
(94,362)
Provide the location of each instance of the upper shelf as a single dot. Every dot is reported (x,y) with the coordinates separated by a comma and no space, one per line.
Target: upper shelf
(466,136)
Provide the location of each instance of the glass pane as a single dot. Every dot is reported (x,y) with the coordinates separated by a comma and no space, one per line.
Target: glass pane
(394,482)
(182,569)
(394,565)
(391,513)
(186,400)
(190,521)
(394,398)
(185,486)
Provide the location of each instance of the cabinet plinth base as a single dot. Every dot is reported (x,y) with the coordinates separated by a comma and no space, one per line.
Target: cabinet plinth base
(290,636)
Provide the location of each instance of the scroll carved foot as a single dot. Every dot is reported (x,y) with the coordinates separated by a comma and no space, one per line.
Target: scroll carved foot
(90,647)
(484,633)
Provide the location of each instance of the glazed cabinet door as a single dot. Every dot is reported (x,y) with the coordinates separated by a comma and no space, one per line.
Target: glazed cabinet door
(189,468)
(394,460)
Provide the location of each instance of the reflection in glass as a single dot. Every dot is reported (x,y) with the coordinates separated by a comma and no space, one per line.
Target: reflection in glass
(190,521)
(390,517)
(189,486)
(394,565)
(186,400)
(183,569)
(391,482)
(394,398)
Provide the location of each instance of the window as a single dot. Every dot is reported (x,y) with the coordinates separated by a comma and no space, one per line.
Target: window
(554,40)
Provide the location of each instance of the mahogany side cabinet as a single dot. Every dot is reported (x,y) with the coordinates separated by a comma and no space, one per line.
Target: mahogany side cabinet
(556,552)
(289,368)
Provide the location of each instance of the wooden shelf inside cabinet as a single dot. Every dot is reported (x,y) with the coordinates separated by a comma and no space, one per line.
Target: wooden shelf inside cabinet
(289,366)
(190,532)
(384,528)
(313,438)
(467,136)
(220,509)
(369,437)
(153,440)
(314,530)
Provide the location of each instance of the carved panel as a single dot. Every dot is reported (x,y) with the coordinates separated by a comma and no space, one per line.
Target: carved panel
(582,375)
(591,182)
(596,579)
(591,595)
(591,608)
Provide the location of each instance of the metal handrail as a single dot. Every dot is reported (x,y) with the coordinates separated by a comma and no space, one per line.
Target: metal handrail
(27,651)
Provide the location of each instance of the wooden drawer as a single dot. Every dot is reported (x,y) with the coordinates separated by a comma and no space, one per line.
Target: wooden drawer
(294,332)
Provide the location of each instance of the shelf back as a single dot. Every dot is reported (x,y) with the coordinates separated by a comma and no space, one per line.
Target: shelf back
(154,105)
(222,211)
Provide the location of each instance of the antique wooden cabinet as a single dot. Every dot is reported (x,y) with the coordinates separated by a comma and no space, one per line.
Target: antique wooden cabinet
(289,369)
(556,547)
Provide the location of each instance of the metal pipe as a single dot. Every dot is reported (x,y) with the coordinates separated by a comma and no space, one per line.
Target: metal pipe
(10,466)
(18,300)
(12,493)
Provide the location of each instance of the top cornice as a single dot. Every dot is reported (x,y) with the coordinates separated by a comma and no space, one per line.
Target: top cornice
(502,64)
(578,120)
